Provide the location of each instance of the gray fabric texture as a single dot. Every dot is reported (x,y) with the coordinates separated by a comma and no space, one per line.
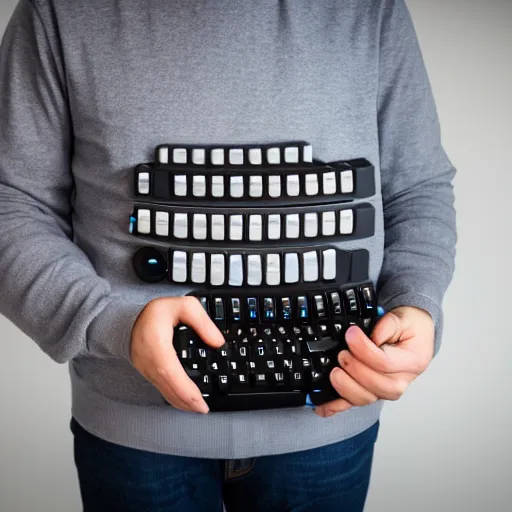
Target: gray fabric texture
(89,89)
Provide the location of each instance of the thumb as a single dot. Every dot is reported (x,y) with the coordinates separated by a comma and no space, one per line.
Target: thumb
(192,314)
(387,330)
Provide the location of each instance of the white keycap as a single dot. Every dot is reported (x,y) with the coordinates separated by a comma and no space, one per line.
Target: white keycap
(292,225)
(274,156)
(218,186)
(328,223)
(255,156)
(180,185)
(329,264)
(274,186)
(236,156)
(254,273)
(274,227)
(293,185)
(291,268)
(236,186)
(199,227)
(329,183)
(255,228)
(347,182)
(346,222)
(217,269)
(291,155)
(217,156)
(217,227)
(179,267)
(311,225)
(236,227)
(311,184)
(236,270)
(144,183)
(308,154)
(163,155)
(273,274)
(310,266)
(199,186)
(144,222)
(198,156)
(180,225)
(179,156)
(255,186)
(162,224)
(198,271)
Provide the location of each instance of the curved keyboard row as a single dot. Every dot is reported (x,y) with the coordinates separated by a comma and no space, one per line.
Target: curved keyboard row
(308,266)
(341,181)
(258,225)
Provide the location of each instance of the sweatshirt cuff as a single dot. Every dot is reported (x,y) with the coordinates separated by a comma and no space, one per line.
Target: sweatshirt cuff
(110,332)
(419,301)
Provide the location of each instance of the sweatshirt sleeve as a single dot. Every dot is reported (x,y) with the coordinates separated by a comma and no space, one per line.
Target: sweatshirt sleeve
(49,288)
(416,174)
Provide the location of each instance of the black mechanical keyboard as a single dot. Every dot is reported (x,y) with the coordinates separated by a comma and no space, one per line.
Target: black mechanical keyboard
(279,350)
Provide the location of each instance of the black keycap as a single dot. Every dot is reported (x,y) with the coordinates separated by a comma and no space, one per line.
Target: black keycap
(240,383)
(320,307)
(286,309)
(351,306)
(269,309)
(297,380)
(260,381)
(302,308)
(236,311)
(322,345)
(224,382)
(336,303)
(252,309)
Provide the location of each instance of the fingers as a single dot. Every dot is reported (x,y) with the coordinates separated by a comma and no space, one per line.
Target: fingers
(167,374)
(191,313)
(387,330)
(388,359)
(385,386)
(351,390)
(334,407)
(184,388)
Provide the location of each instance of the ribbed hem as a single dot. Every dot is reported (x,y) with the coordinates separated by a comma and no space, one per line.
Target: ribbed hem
(110,332)
(232,435)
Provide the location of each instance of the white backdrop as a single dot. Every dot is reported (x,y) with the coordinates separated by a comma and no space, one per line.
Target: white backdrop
(445,446)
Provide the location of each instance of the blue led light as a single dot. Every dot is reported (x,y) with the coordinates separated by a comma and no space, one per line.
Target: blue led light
(253,314)
(380,311)
(153,261)
(132,224)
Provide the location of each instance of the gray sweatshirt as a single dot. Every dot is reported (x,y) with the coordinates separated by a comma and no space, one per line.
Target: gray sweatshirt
(90,89)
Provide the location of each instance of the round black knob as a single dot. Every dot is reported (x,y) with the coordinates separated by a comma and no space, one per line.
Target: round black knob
(150,265)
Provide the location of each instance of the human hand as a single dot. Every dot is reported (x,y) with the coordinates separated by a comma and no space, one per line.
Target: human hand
(400,349)
(153,354)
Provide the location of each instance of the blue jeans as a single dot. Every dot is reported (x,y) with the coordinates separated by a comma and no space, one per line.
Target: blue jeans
(117,479)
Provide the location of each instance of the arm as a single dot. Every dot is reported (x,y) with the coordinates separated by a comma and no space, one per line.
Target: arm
(50,290)
(419,222)
(419,215)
